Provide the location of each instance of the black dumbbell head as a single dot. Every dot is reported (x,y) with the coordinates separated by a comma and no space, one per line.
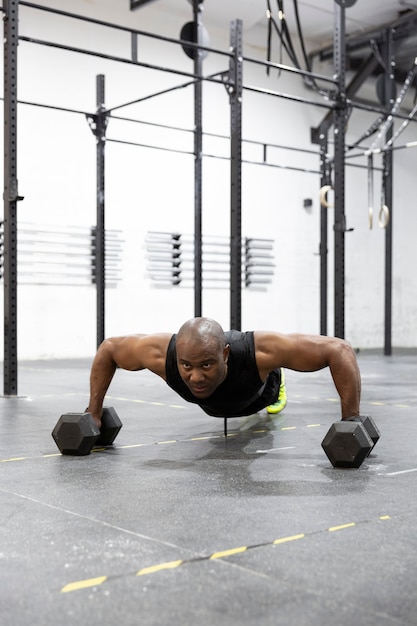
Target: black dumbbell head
(347,444)
(370,427)
(75,433)
(110,426)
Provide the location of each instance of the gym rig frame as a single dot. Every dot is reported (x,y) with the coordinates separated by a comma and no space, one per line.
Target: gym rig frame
(336,116)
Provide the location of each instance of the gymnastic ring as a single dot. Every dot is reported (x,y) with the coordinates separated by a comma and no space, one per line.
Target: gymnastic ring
(370,217)
(323,197)
(383,217)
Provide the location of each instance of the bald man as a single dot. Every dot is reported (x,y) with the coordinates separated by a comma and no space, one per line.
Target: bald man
(228,374)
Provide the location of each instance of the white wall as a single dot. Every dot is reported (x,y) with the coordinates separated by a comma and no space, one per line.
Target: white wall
(148,189)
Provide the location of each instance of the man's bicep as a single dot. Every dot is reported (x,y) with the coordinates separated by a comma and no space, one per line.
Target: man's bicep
(126,352)
(299,352)
(308,353)
(138,352)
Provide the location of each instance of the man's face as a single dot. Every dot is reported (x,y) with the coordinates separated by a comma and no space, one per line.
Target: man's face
(202,365)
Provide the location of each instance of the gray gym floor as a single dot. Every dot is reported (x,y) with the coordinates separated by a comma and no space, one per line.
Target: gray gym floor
(176,525)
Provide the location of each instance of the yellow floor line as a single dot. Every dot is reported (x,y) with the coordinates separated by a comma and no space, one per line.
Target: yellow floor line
(222,555)
(342,527)
(159,568)
(84,584)
(153,569)
(286,539)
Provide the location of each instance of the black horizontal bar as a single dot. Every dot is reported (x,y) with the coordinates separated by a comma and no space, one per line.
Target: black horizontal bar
(144,145)
(213,156)
(125,29)
(109,57)
(374,109)
(292,70)
(286,96)
(215,135)
(181,42)
(50,106)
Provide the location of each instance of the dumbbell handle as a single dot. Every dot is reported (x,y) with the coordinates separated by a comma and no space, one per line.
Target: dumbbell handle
(355,418)
(101,415)
(369,425)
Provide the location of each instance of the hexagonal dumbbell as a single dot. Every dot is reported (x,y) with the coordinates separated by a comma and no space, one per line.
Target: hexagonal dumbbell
(110,426)
(77,433)
(370,427)
(349,442)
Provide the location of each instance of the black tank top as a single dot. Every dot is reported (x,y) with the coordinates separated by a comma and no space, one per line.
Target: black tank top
(242,392)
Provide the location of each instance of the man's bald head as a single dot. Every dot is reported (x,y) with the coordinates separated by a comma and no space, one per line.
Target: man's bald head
(202,330)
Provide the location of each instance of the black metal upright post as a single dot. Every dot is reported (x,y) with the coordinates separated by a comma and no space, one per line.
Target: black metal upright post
(388,52)
(198,150)
(235,96)
(100,132)
(388,184)
(325,179)
(10,196)
(339,121)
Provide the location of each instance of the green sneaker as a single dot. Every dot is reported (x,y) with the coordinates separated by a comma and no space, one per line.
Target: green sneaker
(281,402)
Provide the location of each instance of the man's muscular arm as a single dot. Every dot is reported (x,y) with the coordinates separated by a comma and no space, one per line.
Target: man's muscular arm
(307,353)
(132,352)
(101,375)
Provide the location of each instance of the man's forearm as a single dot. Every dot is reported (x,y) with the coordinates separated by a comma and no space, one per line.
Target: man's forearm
(102,372)
(347,380)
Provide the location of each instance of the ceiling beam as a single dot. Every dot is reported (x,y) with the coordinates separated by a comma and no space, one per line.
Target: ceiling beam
(403,28)
(400,31)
